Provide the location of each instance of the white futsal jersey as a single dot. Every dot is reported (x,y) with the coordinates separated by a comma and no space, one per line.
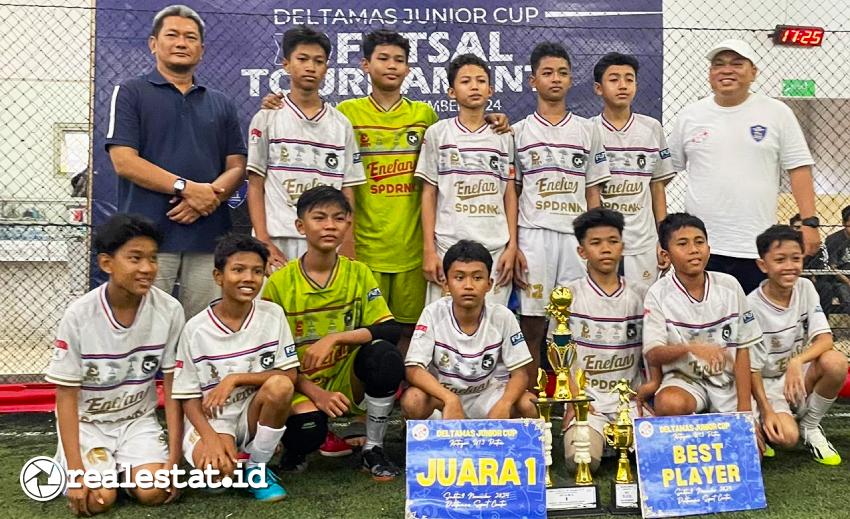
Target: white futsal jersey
(555,163)
(467,364)
(295,153)
(786,331)
(608,331)
(209,351)
(471,170)
(115,366)
(637,156)
(723,317)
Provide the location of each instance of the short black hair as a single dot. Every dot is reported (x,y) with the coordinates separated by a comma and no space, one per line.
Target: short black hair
(778,233)
(794,219)
(845,214)
(303,35)
(597,217)
(611,59)
(548,49)
(384,37)
(463,60)
(121,228)
(321,195)
(467,251)
(675,221)
(233,243)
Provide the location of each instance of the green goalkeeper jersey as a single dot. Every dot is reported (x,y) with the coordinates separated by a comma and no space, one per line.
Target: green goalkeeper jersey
(387,225)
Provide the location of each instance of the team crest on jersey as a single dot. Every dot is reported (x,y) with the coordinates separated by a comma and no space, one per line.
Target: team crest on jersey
(775,343)
(413,138)
(267,360)
(585,330)
(487,362)
(149,364)
(332,160)
(444,360)
(726,334)
(535,158)
(631,330)
(641,161)
(284,154)
(578,160)
(494,162)
(758,132)
(373,294)
(364,140)
(213,372)
(455,158)
(92,373)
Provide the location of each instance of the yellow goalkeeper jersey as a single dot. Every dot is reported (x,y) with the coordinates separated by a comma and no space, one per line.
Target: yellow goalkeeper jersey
(387,225)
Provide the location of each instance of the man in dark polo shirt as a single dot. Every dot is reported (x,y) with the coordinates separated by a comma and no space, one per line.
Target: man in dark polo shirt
(179,152)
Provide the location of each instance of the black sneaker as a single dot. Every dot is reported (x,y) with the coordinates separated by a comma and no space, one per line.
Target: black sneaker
(379,467)
(292,462)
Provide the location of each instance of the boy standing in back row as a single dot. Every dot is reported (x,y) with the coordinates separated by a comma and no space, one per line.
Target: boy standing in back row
(562,166)
(306,144)
(468,190)
(640,166)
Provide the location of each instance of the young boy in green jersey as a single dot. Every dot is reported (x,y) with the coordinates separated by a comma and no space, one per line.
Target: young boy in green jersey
(344,334)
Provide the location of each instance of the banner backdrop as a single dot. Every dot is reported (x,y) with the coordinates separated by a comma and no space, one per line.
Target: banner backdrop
(698,464)
(475,469)
(242,55)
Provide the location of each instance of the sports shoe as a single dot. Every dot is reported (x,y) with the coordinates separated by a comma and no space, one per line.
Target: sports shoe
(377,464)
(292,462)
(768,451)
(271,492)
(822,450)
(335,447)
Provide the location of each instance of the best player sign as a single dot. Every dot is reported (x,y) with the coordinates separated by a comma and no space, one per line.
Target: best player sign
(475,468)
(698,464)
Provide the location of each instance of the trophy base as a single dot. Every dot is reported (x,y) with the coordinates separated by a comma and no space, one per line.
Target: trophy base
(625,498)
(573,501)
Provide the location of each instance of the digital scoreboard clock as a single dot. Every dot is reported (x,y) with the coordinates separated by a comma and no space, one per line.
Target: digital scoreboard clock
(798,36)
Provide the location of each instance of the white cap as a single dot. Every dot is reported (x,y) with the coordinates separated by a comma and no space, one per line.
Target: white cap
(737,46)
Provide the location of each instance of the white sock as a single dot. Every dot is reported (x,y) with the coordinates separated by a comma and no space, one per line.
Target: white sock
(817,408)
(377,412)
(264,444)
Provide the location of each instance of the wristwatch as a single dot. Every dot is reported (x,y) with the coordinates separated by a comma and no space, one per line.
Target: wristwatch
(812,221)
(179,186)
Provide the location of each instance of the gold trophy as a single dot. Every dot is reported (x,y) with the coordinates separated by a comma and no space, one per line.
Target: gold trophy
(620,435)
(583,497)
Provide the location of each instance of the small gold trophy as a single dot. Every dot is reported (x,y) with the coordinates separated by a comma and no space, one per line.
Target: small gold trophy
(620,435)
(583,497)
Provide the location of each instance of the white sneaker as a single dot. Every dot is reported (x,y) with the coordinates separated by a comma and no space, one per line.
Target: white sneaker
(821,449)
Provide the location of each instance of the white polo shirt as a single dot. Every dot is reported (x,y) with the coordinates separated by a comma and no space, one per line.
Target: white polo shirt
(733,156)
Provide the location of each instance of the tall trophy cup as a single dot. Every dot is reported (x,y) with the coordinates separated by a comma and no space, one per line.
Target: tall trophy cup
(620,436)
(582,498)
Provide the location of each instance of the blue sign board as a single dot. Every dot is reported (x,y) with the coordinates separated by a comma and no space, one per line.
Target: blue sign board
(475,468)
(698,464)
(242,53)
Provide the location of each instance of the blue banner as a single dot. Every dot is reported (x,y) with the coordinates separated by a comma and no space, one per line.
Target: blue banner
(475,468)
(242,53)
(698,464)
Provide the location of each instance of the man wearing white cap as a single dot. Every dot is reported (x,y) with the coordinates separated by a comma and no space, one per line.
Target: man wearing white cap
(733,145)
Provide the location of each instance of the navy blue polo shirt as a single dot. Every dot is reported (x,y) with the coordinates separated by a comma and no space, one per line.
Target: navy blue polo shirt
(189,135)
